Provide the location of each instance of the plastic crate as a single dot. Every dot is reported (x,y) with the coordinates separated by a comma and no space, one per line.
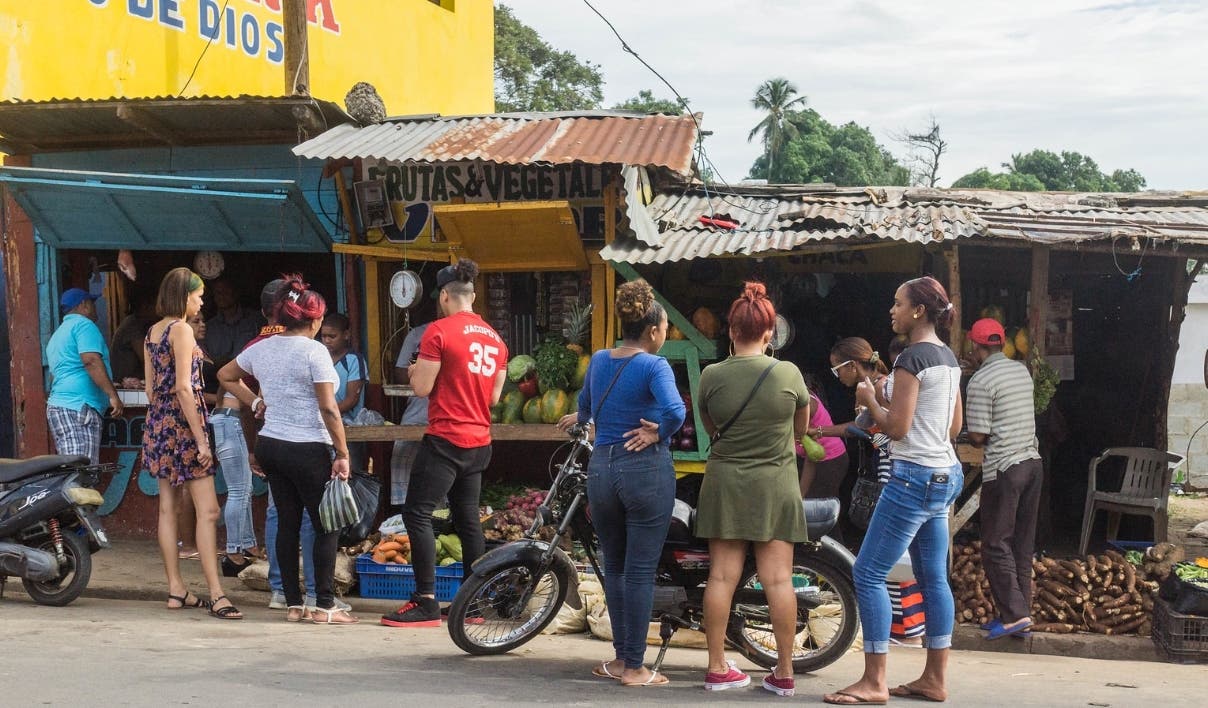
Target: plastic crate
(1125,546)
(396,581)
(1181,638)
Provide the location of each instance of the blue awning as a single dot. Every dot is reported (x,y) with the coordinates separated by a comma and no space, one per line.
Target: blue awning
(72,209)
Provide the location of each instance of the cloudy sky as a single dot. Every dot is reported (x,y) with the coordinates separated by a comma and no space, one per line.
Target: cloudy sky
(1122,81)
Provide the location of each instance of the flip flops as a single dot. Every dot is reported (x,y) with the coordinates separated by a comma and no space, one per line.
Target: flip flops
(330,615)
(832,698)
(656,679)
(999,631)
(603,672)
(905,691)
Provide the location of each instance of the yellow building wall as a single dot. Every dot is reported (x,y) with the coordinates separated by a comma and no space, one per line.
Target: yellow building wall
(421,56)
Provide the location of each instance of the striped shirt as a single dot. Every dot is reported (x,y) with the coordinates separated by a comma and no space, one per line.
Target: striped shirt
(927,441)
(1000,405)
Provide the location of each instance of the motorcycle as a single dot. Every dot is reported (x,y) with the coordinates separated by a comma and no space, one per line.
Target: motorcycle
(517,589)
(49,527)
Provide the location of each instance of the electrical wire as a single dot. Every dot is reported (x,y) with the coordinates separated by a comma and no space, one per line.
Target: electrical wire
(1137,271)
(1187,457)
(221,13)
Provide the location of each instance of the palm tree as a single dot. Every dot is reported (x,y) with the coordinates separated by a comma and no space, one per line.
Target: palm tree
(776,98)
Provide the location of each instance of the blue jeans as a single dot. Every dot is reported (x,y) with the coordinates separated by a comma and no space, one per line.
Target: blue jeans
(230,448)
(307,536)
(630,496)
(912,513)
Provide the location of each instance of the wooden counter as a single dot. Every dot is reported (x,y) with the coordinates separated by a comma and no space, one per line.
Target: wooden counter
(499,433)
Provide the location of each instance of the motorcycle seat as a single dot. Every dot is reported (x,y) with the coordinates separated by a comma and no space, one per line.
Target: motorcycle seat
(821,515)
(14,470)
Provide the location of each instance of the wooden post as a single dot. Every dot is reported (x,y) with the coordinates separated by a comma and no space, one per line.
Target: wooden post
(601,300)
(1181,282)
(30,429)
(297,53)
(611,187)
(1038,298)
(953,257)
(373,320)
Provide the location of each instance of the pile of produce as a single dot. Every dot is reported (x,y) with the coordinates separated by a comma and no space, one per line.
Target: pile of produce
(685,437)
(392,548)
(517,516)
(544,387)
(448,549)
(1105,593)
(1018,345)
(1195,573)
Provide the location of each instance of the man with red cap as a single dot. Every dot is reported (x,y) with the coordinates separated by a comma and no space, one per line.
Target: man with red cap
(1001,418)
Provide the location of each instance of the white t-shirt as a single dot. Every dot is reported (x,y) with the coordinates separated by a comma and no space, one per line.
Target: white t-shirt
(288,367)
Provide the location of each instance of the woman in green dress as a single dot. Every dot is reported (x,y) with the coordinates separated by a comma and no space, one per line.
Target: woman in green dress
(750,493)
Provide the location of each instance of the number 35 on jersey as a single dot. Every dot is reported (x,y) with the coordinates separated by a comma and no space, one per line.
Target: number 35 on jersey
(483,359)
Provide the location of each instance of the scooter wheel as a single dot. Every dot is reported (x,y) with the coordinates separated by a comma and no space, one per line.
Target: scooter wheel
(73,575)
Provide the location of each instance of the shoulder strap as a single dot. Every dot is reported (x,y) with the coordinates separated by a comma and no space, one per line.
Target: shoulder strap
(758,382)
(608,390)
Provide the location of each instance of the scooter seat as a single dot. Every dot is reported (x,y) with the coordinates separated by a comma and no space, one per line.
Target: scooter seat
(14,470)
(821,515)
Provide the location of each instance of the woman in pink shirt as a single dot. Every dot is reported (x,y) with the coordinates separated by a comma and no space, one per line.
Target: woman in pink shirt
(822,479)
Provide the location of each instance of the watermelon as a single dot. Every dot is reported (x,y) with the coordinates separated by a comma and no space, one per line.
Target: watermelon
(573,405)
(532,410)
(513,406)
(497,412)
(554,405)
(521,366)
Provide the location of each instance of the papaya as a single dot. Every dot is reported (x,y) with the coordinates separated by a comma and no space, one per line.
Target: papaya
(994,312)
(554,405)
(1008,348)
(580,372)
(674,334)
(532,410)
(1023,342)
(704,320)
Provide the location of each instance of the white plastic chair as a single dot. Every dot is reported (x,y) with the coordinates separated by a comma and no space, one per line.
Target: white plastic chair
(1143,491)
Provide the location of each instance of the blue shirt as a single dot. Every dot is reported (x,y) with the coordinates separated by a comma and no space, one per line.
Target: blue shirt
(350,368)
(645,390)
(72,387)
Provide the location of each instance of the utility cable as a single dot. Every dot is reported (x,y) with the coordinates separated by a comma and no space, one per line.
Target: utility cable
(221,14)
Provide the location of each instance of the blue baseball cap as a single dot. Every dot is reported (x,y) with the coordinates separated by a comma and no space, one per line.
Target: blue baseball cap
(72,298)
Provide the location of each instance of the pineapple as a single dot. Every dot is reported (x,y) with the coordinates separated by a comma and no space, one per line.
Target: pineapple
(576,327)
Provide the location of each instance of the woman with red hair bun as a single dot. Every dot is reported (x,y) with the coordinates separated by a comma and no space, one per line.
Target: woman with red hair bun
(302,444)
(753,407)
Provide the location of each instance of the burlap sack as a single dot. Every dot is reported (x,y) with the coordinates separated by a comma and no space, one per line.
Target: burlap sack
(255,576)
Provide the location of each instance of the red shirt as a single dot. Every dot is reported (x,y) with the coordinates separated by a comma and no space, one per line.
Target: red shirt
(471,355)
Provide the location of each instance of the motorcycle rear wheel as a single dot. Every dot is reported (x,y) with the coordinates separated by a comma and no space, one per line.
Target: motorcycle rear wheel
(827,617)
(73,575)
(485,617)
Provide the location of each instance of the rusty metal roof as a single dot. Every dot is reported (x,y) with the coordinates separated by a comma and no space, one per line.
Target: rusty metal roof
(786,218)
(596,137)
(79,124)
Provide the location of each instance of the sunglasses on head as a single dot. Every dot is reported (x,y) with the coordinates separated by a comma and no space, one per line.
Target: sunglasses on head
(835,369)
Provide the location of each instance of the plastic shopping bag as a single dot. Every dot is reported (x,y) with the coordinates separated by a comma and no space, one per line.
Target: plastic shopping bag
(338,508)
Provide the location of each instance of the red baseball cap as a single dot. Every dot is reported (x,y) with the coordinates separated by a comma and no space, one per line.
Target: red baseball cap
(988,332)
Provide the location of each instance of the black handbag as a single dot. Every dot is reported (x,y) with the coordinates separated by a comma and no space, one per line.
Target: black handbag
(367,491)
(867,490)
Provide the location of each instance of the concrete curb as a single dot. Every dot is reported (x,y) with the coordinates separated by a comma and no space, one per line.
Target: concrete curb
(1080,646)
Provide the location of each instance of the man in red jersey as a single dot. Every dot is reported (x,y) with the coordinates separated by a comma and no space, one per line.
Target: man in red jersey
(461,369)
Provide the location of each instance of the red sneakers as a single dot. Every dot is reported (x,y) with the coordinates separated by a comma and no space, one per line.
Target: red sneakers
(418,612)
(779,686)
(731,679)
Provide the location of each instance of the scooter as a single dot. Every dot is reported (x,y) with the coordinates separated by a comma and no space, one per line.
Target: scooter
(49,526)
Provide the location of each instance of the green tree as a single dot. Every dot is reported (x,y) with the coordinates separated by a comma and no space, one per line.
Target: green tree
(777,98)
(645,102)
(846,155)
(530,75)
(1041,170)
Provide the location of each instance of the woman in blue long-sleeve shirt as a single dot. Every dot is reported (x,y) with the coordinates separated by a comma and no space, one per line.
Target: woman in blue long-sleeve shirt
(630,394)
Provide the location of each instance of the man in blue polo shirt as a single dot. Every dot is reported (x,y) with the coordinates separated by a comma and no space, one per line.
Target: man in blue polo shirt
(81,385)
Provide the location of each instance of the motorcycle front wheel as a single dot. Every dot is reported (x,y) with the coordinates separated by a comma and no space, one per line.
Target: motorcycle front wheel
(73,575)
(490,615)
(827,618)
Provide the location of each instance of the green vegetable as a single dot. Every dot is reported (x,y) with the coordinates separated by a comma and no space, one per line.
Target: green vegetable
(451,543)
(813,449)
(1044,379)
(555,363)
(1192,573)
(520,366)
(1135,557)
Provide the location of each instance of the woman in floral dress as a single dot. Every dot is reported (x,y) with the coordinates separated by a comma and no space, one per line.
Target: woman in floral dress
(176,448)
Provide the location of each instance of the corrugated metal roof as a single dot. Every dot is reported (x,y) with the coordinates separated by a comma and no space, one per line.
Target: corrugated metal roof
(597,137)
(78,124)
(784,218)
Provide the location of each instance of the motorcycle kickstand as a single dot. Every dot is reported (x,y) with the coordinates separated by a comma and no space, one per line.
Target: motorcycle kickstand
(668,624)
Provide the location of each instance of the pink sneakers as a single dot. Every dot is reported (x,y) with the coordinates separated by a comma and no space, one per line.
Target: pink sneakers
(779,686)
(731,679)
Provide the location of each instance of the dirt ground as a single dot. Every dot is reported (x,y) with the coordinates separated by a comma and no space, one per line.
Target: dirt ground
(1185,512)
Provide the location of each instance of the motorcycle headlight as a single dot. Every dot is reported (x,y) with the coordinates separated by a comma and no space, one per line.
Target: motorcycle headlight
(82,496)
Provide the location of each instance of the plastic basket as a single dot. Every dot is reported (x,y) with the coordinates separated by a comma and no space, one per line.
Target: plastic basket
(396,581)
(1125,546)
(1181,638)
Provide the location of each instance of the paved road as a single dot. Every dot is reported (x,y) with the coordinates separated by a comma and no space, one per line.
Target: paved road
(111,653)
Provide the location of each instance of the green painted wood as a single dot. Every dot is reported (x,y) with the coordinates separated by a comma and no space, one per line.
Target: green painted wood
(707,347)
